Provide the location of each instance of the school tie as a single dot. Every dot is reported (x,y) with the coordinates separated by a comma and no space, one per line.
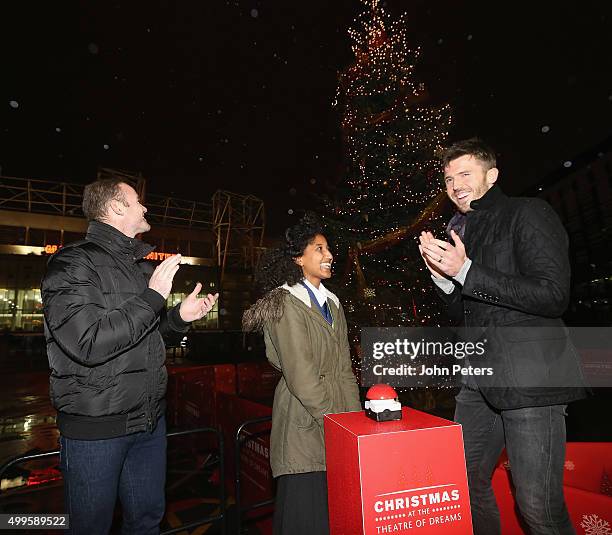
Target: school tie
(327,313)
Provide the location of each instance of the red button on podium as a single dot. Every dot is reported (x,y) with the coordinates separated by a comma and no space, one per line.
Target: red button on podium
(406,476)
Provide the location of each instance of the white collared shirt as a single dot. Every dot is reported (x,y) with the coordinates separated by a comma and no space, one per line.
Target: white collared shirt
(320,293)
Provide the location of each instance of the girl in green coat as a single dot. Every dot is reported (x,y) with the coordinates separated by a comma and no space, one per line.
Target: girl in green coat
(306,339)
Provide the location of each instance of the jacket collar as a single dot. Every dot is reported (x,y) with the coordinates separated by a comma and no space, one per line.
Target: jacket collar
(297,290)
(115,241)
(489,199)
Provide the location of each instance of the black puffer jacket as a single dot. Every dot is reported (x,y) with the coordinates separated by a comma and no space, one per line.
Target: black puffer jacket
(518,286)
(104,328)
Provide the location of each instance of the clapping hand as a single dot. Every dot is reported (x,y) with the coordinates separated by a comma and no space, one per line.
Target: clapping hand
(163,276)
(442,258)
(194,308)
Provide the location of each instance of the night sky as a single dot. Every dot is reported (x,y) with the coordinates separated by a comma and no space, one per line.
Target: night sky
(208,94)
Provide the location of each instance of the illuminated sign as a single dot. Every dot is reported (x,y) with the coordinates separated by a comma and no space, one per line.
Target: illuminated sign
(51,248)
(154,255)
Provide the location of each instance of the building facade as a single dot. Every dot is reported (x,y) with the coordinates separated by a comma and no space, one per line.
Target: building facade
(581,193)
(38,217)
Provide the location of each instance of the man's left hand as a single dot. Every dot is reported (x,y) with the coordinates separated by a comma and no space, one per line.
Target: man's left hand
(194,308)
(446,257)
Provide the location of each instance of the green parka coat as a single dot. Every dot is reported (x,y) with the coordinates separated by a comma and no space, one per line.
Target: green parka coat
(317,378)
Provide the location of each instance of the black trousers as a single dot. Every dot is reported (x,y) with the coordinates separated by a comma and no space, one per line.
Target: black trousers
(535,441)
(301,504)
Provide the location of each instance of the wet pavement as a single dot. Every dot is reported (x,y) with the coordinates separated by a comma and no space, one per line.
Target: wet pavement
(27,426)
(27,420)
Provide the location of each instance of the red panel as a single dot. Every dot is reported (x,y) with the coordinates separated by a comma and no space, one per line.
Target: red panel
(343,482)
(256,475)
(196,393)
(219,377)
(257,380)
(585,465)
(411,475)
(192,399)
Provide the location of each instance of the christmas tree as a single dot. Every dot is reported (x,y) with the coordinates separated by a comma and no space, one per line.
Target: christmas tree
(392,188)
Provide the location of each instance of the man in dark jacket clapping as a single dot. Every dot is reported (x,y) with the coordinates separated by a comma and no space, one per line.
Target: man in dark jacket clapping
(105,324)
(507,270)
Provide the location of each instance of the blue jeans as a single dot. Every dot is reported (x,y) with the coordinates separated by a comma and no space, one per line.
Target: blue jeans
(534,438)
(132,467)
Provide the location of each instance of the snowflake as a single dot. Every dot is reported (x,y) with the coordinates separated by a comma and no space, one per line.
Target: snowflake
(569,465)
(593,525)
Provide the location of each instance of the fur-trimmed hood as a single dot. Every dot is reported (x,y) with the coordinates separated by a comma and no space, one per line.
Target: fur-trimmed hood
(267,308)
(270,307)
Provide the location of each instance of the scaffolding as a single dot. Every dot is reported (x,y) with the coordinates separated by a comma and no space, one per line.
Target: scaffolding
(165,210)
(65,199)
(236,221)
(136,180)
(40,196)
(238,226)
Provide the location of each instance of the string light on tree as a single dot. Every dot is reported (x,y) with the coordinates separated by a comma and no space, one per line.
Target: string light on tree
(392,185)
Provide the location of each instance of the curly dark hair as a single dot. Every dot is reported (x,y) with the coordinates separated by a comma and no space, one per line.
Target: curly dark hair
(277,266)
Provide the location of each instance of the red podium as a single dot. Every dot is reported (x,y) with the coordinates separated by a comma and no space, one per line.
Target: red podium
(406,476)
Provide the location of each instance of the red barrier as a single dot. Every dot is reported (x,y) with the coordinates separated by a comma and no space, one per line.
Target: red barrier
(206,396)
(256,476)
(191,399)
(256,380)
(174,391)
(199,388)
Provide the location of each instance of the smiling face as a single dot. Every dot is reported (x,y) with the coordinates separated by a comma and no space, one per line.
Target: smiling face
(466,180)
(316,261)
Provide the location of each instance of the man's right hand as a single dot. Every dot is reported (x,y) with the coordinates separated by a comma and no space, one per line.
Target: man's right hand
(161,280)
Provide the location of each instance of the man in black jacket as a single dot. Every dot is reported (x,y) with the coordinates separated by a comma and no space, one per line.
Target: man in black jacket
(105,323)
(508,270)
